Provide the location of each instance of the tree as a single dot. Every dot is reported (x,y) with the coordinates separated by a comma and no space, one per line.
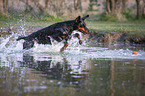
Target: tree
(110,6)
(46,5)
(27,6)
(123,4)
(77,4)
(39,6)
(113,6)
(140,9)
(92,4)
(4,7)
(1,7)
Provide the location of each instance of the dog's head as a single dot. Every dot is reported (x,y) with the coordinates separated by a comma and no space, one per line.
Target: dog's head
(80,25)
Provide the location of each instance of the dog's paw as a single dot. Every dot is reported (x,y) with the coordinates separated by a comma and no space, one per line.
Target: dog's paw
(62,49)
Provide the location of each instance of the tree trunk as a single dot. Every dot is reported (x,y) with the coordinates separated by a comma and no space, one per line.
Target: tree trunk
(46,5)
(112,6)
(123,5)
(27,6)
(140,9)
(41,9)
(108,10)
(77,4)
(1,7)
(5,4)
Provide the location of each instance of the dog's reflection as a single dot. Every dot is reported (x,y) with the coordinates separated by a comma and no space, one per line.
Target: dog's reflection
(56,67)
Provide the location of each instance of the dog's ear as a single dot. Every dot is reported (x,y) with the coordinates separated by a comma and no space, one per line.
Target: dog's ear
(83,18)
(78,19)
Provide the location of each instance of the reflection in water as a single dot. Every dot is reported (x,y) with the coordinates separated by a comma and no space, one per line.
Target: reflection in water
(57,74)
(32,73)
(53,69)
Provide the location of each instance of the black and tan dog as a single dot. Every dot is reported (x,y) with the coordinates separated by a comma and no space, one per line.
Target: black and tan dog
(60,31)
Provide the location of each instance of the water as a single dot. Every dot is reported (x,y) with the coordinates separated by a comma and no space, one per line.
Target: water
(88,70)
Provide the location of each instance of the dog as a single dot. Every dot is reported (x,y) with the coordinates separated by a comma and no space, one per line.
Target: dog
(60,31)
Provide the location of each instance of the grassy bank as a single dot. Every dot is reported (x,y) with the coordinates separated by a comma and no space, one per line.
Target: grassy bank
(131,27)
(29,20)
(113,32)
(134,29)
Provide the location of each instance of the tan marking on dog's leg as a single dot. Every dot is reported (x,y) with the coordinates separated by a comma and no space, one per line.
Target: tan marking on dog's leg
(62,49)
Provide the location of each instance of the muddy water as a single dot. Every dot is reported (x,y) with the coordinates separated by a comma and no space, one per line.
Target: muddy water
(89,70)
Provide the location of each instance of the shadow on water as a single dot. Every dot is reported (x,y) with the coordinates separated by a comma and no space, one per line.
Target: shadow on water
(79,71)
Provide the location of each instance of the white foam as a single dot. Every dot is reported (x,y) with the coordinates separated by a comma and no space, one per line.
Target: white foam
(40,48)
(10,45)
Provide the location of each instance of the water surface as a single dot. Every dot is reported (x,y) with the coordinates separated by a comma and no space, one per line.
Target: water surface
(89,70)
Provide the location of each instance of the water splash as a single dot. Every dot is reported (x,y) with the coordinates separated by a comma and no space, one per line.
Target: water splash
(40,48)
(10,45)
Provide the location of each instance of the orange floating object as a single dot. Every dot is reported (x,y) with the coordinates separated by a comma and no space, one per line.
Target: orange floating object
(136,53)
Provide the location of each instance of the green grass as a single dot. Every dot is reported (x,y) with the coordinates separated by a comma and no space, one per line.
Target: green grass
(131,27)
(29,20)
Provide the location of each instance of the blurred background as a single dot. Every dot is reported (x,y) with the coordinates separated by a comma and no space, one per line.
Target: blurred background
(57,10)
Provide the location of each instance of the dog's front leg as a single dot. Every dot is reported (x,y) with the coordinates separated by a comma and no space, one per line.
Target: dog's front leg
(78,36)
(64,47)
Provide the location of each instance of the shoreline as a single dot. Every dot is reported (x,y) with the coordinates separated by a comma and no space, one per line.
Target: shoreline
(100,37)
(117,37)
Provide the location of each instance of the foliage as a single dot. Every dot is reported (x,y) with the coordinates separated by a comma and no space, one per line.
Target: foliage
(129,15)
(50,18)
(92,4)
(5,18)
(30,17)
(108,17)
(119,15)
(27,20)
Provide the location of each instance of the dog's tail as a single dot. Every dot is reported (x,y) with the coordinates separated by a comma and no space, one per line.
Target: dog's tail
(21,37)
